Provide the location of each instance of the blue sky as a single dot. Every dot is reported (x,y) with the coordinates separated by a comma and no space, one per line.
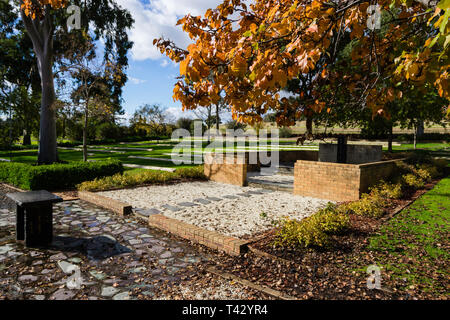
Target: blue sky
(151,75)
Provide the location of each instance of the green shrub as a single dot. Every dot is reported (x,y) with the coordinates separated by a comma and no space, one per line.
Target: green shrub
(370,205)
(433,171)
(285,132)
(141,178)
(56,176)
(107,131)
(413,181)
(388,190)
(312,231)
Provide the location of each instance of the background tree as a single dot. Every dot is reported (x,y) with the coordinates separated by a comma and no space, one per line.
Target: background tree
(88,79)
(151,118)
(43,20)
(19,86)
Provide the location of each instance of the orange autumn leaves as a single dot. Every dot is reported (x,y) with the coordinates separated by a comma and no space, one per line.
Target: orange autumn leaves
(35,9)
(250,53)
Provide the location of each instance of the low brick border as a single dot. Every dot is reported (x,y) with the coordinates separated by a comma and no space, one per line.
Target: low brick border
(213,240)
(121,208)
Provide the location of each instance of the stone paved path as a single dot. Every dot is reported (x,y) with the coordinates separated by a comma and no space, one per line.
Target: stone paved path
(118,258)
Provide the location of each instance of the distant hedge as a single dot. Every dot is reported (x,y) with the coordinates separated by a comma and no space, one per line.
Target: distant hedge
(56,176)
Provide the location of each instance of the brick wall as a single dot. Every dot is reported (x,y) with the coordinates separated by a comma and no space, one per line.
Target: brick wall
(231,169)
(338,182)
(372,173)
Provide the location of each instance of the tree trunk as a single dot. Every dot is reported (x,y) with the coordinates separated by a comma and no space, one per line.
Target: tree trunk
(209,125)
(40,32)
(309,127)
(48,152)
(85,128)
(26,137)
(217,118)
(64,127)
(420,129)
(390,137)
(415,136)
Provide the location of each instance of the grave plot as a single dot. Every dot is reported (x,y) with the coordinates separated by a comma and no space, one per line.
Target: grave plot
(229,210)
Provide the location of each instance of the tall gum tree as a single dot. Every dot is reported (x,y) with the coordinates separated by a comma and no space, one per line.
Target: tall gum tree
(41,19)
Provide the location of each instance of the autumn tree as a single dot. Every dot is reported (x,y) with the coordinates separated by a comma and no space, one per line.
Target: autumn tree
(251,52)
(43,20)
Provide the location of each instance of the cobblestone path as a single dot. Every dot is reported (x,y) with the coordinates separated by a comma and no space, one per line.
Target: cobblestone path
(113,258)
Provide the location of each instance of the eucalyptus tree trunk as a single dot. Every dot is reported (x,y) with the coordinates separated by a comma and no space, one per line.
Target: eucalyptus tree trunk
(41,34)
(390,137)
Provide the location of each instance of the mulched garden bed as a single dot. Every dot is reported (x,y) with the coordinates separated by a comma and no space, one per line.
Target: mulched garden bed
(338,272)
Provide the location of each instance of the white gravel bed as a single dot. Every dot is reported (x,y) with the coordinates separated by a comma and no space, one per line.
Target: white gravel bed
(240,217)
(276,178)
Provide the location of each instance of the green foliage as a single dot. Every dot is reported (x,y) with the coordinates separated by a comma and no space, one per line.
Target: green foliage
(107,131)
(388,190)
(419,169)
(141,178)
(413,181)
(314,231)
(56,176)
(235,125)
(184,123)
(285,132)
(6,129)
(370,205)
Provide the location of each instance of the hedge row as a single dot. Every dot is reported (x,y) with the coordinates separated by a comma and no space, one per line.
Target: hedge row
(56,176)
(135,179)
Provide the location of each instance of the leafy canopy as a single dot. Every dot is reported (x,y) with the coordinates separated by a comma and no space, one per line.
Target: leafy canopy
(251,52)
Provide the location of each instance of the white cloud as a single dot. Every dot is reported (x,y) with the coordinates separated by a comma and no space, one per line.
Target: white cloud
(177,113)
(158,18)
(136,80)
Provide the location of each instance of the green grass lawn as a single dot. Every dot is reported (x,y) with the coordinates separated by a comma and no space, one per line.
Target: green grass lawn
(414,247)
(163,149)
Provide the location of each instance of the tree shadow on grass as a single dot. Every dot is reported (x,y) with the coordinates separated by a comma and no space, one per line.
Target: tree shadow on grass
(97,248)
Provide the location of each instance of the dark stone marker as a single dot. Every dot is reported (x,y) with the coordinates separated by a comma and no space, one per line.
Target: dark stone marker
(231,197)
(214,199)
(271,191)
(342,149)
(202,201)
(171,208)
(243,195)
(187,204)
(149,212)
(34,216)
(254,192)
